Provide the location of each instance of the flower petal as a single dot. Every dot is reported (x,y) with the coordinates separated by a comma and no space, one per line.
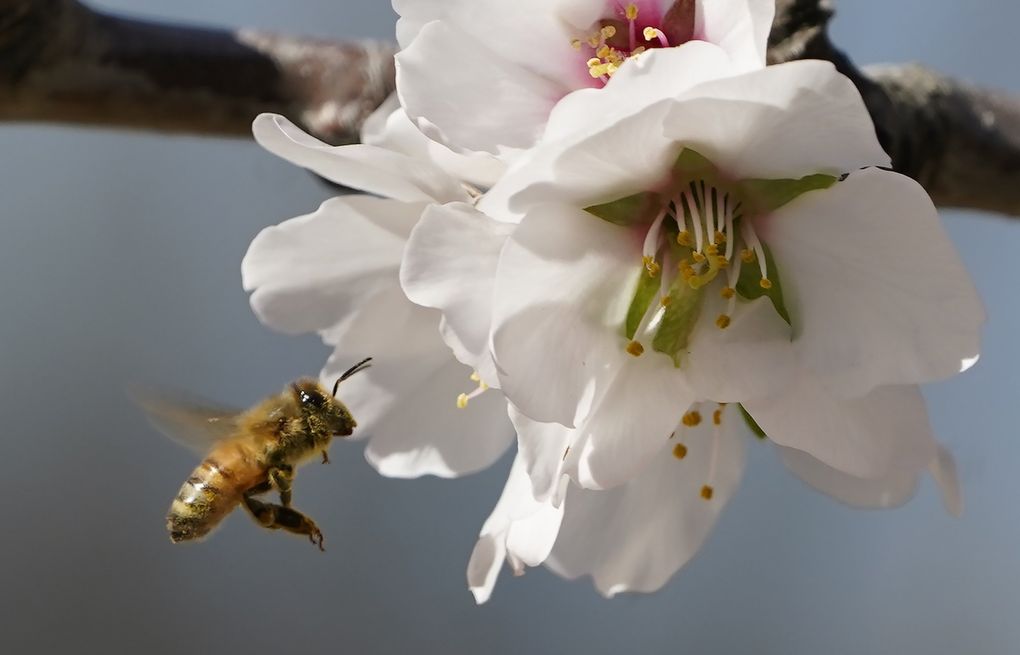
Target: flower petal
(740,27)
(877,293)
(413,375)
(873,436)
(374,170)
(943,469)
(785,121)
(308,273)
(520,528)
(450,264)
(542,449)
(484,103)
(636,536)
(889,491)
(562,288)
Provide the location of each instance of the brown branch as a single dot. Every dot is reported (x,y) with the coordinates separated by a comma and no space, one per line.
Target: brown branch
(60,61)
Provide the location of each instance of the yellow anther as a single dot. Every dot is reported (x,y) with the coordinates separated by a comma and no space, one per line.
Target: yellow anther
(462,401)
(666,301)
(637,51)
(608,32)
(634,348)
(611,68)
(722,322)
(707,491)
(651,266)
(650,33)
(728,292)
(575,44)
(686,270)
(717,416)
(679,451)
(593,62)
(747,255)
(720,237)
(603,52)
(722,262)
(597,70)
(631,11)
(765,283)
(595,39)
(475,377)
(692,418)
(684,238)
(698,257)
(712,250)
(482,386)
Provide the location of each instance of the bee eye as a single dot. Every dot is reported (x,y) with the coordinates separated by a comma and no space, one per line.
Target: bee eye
(312,399)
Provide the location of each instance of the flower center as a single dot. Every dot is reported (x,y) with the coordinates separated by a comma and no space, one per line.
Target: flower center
(626,34)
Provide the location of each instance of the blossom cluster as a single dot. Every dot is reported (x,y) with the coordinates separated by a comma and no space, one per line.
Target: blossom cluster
(608,234)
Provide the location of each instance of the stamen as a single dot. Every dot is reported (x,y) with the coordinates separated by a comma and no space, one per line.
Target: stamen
(730,237)
(751,239)
(575,44)
(695,218)
(608,31)
(651,266)
(655,33)
(635,348)
(651,244)
(692,419)
(679,451)
(464,398)
(722,322)
(631,12)
(728,292)
(708,490)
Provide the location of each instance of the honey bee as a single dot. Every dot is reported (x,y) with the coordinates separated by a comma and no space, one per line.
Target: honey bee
(251,453)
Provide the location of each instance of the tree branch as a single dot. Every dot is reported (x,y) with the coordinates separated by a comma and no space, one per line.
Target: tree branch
(60,61)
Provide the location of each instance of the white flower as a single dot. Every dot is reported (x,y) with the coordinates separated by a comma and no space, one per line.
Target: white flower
(335,272)
(483,75)
(635,537)
(703,247)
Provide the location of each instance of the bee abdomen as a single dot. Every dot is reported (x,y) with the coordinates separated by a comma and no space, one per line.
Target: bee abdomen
(204,499)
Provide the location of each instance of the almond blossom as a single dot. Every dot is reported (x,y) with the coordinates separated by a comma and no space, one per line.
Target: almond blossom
(483,76)
(335,272)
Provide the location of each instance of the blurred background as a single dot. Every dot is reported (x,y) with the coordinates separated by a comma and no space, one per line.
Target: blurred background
(119,263)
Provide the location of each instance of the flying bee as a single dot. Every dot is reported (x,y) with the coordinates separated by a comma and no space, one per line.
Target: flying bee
(251,453)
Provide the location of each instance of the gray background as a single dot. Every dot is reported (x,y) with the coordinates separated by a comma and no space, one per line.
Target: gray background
(119,261)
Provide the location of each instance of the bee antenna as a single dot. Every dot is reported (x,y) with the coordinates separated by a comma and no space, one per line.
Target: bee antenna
(360,366)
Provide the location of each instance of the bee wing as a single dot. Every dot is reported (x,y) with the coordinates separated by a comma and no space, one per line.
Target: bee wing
(194,423)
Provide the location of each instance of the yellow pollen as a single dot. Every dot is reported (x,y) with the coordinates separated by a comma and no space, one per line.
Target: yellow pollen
(650,33)
(635,348)
(637,51)
(722,262)
(728,292)
(684,238)
(595,39)
(631,11)
(698,257)
(722,322)
(651,266)
(720,237)
(747,255)
(575,44)
(593,62)
(608,32)
(765,283)
(611,68)
(462,401)
(679,451)
(475,377)
(711,250)
(603,52)
(665,301)
(717,416)
(707,491)
(692,419)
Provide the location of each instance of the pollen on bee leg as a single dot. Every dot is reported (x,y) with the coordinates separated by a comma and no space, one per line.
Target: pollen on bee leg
(635,348)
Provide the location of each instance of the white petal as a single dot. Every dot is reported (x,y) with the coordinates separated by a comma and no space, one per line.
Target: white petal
(943,469)
(741,27)
(891,490)
(542,449)
(636,536)
(520,528)
(876,290)
(872,436)
(406,401)
(564,282)
(482,103)
(375,170)
(749,359)
(450,264)
(785,121)
(310,272)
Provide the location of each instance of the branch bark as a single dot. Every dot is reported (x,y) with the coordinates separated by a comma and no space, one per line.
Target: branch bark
(63,62)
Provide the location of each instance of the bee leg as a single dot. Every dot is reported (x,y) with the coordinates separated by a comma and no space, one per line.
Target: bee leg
(325,457)
(278,517)
(282,477)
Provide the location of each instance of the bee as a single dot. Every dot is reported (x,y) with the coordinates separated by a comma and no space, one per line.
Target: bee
(251,453)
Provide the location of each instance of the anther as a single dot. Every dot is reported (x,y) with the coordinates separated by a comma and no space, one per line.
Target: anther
(631,11)
(475,377)
(603,52)
(707,491)
(712,250)
(720,237)
(728,292)
(575,44)
(765,283)
(717,415)
(684,238)
(747,255)
(722,322)
(635,348)
(651,266)
(698,257)
(692,418)
(679,451)
(666,300)
(608,31)
(462,401)
(651,33)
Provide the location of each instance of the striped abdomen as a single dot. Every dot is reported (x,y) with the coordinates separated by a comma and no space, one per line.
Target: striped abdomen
(213,491)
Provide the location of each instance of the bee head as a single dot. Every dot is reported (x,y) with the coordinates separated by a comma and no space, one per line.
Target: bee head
(326,408)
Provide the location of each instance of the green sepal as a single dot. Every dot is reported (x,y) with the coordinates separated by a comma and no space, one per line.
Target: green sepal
(647,288)
(690,166)
(631,210)
(752,424)
(749,284)
(765,196)
(678,320)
